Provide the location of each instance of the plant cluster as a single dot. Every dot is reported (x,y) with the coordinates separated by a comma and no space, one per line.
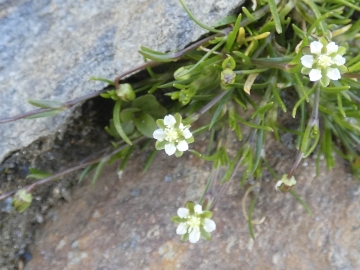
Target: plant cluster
(241,75)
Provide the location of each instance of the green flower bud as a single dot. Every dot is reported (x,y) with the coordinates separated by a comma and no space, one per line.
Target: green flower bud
(22,200)
(181,74)
(174,95)
(228,76)
(126,92)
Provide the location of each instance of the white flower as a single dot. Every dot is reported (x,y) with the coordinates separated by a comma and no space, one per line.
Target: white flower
(172,135)
(194,222)
(323,61)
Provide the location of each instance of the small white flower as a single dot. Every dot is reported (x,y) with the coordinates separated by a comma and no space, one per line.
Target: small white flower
(194,222)
(173,135)
(323,61)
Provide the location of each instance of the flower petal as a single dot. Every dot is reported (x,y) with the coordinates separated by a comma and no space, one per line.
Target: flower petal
(182,228)
(169,120)
(182,146)
(307,61)
(170,149)
(198,209)
(338,60)
(315,75)
(333,73)
(315,47)
(194,235)
(186,133)
(183,212)
(278,184)
(159,135)
(209,225)
(331,48)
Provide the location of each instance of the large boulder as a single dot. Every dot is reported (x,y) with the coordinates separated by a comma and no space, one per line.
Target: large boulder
(49,49)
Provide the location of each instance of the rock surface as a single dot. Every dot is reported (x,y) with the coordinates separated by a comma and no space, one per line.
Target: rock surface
(125,224)
(49,49)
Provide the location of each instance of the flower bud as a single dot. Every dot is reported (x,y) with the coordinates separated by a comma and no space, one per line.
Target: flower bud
(285,184)
(228,76)
(125,92)
(22,200)
(181,74)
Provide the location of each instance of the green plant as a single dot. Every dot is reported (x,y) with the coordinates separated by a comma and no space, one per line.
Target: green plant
(242,76)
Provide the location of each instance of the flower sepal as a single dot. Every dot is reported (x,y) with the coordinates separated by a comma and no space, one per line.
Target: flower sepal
(285,184)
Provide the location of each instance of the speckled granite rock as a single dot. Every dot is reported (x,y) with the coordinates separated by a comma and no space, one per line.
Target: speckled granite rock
(49,48)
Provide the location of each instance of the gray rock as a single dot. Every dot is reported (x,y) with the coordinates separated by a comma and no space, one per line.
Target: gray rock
(49,48)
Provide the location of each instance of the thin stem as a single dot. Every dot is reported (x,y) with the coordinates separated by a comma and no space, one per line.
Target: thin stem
(243,207)
(32,186)
(138,68)
(226,184)
(313,121)
(212,102)
(66,105)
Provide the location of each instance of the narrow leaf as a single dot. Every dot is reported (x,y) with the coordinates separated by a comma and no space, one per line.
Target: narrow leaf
(44,114)
(46,104)
(117,123)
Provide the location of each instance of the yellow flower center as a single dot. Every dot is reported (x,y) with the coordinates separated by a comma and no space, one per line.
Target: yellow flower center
(171,134)
(324,61)
(194,222)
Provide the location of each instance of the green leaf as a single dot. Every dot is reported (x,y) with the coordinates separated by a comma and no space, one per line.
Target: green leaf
(262,110)
(45,114)
(310,140)
(252,124)
(46,104)
(197,21)
(300,33)
(259,148)
(149,104)
(156,56)
(98,170)
(117,123)
(37,174)
(149,160)
(101,80)
(275,14)
(219,108)
(86,171)
(177,219)
(244,57)
(145,124)
(225,21)
(232,35)
(248,14)
(213,158)
(127,115)
(303,203)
